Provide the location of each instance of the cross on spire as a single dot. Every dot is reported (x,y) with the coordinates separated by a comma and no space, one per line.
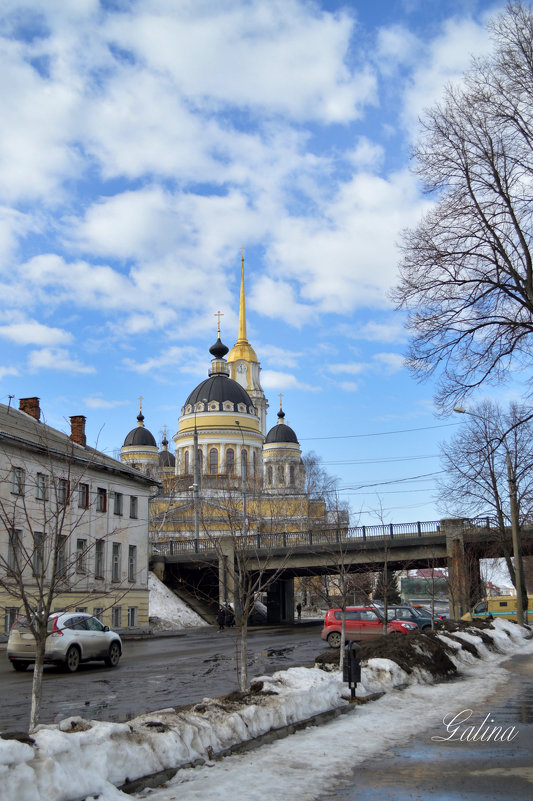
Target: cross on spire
(141,403)
(280,399)
(218,314)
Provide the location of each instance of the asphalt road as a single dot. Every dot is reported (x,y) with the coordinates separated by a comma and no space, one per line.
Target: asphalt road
(155,673)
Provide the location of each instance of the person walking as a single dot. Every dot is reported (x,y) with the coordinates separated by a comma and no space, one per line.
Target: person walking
(221,618)
(299,610)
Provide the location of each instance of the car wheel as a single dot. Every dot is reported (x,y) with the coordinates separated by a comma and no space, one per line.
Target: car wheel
(18,665)
(113,655)
(72,659)
(334,639)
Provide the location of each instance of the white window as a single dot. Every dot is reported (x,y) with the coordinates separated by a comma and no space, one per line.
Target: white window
(17,481)
(40,487)
(99,559)
(14,550)
(101,500)
(61,555)
(83,496)
(10,615)
(38,553)
(117,504)
(63,491)
(134,506)
(132,616)
(98,612)
(81,556)
(115,567)
(116,617)
(132,562)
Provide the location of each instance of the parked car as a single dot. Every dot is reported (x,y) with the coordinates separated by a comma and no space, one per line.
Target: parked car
(73,637)
(362,623)
(421,617)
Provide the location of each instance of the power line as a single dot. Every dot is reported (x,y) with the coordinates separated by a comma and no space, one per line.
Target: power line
(381,433)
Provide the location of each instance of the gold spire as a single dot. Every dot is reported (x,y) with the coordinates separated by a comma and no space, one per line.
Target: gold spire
(242,348)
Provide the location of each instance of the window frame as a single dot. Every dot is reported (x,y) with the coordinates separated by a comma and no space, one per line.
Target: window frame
(41,487)
(18,480)
(132,562)
(101,500)
(134,507)
(116,553)
(118,503)
(99,559)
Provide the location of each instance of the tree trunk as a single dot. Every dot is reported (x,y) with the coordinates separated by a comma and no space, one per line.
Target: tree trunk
(36,689)
(243,672)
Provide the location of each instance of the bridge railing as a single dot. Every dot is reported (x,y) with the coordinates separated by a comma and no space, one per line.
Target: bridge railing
(288,540)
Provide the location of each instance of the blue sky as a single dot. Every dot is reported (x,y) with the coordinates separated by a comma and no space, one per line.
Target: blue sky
(142,144)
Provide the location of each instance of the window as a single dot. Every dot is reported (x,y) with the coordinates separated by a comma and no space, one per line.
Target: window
(132,562)
(83,496)
(269,474)
(81,556)
(98,612)
(63,491)
(134,506)
(213,461)
(40,487)
(116,617)
(291,475)
(230,461)
(101,500)
(10,615)
(115,566)
(117,505)
(17,481)
(81,609)
(61,555)
(13,551)
(132,616)
(186,468)
(38,553)
(99,559)
(255,464)
(281,474)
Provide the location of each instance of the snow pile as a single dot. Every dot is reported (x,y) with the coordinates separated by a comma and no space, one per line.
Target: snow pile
(167,611)
(77,758)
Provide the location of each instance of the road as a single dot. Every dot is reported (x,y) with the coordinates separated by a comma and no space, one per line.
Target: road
(155,673)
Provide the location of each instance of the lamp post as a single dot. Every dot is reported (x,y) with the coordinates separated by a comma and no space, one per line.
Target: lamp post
(244,482)
(513,503)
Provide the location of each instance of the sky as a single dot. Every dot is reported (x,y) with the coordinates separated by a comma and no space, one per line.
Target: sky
(85,759)
(143,144)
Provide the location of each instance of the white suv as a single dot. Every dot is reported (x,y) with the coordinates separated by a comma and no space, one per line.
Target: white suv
(73,637)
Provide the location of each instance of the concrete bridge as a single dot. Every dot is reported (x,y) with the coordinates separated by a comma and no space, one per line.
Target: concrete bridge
(205,565)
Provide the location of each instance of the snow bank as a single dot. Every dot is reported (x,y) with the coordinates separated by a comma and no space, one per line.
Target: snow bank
(78,758)
(166,610)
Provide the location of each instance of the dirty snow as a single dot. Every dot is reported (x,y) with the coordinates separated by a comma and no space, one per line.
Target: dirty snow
(167,611)
(79,759)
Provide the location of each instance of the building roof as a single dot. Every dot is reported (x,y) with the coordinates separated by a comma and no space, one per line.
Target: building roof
(24,431)
(219,387)
(281,432)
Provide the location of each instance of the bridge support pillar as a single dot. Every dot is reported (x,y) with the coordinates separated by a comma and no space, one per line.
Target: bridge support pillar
(459,572)
(157,566)
(280,601)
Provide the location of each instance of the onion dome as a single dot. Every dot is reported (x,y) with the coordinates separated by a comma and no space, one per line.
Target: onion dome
(281,432)
(140,436)
(166,458)
(218,350)
(219,386)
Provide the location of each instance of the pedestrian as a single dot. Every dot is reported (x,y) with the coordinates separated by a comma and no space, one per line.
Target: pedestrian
(299,610)
(221,618)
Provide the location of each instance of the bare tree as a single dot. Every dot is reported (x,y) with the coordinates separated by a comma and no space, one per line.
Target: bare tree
(477,481)
(467,269)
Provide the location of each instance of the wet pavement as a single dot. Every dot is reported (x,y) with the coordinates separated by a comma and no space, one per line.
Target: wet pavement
(492,761)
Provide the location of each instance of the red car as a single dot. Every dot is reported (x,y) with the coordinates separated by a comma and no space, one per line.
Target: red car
(362,623)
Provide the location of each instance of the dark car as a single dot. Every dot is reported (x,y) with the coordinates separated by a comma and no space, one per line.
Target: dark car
(422,618)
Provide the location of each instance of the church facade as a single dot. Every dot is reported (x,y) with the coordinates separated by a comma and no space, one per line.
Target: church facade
(229,474)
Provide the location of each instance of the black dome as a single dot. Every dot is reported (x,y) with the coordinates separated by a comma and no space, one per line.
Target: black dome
(140,436)
(281,433)
(166,459)
(219,387)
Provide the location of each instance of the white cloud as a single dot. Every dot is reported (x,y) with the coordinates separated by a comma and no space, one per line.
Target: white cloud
(276,380)
(393,362)
(280,357)
(349,386)
(389,331)
(175,357)
(56,359)
(5,371)
(396,45)
(352,368)
(97,402)
(31,332)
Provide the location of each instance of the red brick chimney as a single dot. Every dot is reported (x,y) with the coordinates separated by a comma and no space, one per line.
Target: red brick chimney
(77,429)
(31,407)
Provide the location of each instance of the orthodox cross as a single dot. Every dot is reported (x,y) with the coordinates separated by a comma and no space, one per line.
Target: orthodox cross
(218,314)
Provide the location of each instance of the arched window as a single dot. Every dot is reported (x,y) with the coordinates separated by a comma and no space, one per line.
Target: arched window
(213,461)
(186,466)
(291,475)
(281,474)
(244,464)
(230,461)
(269,474)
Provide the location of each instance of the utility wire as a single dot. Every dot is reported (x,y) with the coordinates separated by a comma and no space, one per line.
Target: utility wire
(381,433)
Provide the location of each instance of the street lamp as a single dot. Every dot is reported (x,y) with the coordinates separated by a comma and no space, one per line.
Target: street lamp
(196,484)
(513,503)
(244,481)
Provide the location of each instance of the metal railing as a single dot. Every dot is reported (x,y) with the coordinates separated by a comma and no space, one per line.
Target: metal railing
(289,540)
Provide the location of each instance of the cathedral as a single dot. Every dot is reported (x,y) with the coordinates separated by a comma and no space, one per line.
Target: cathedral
(228,473)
